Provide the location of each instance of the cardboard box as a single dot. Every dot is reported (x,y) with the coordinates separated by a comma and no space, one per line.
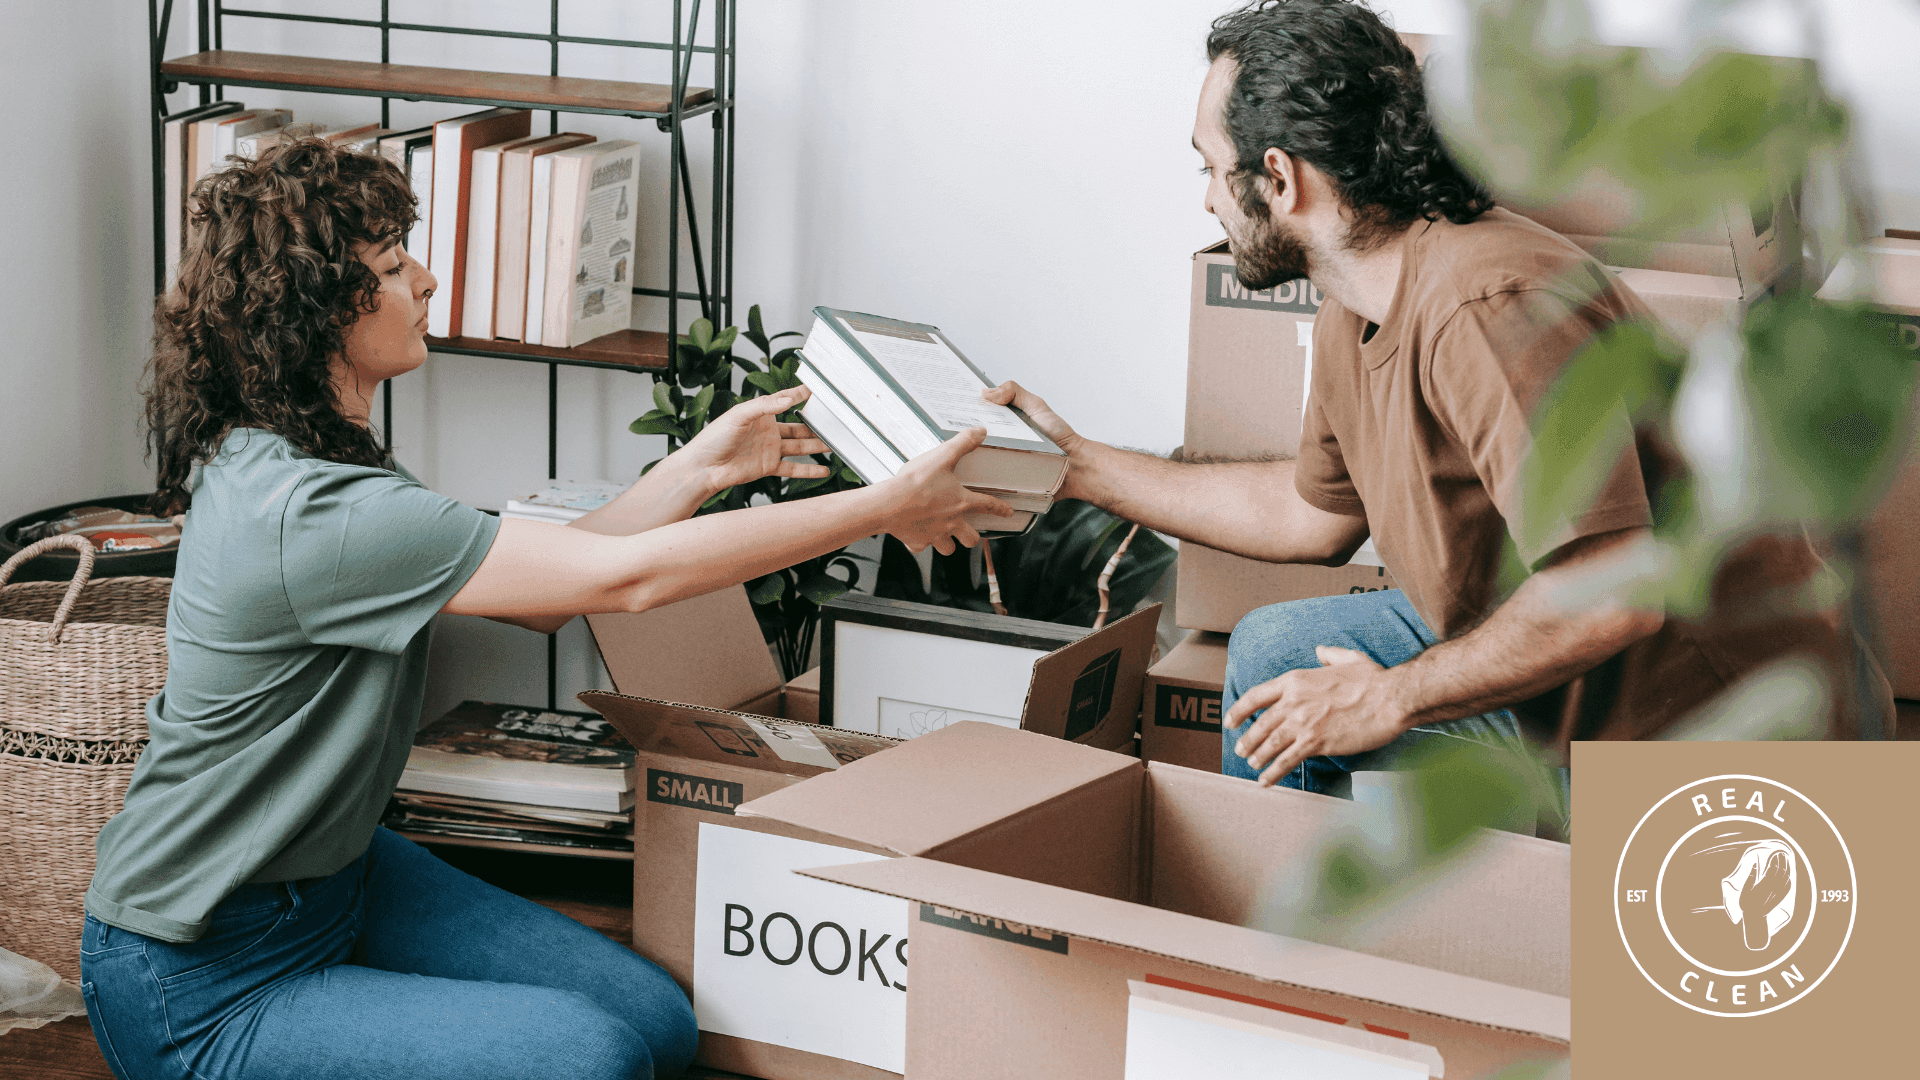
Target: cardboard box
(1058,680)
(1887,274)
(759,948)
(1030,927)
(1180,721)
(706,651)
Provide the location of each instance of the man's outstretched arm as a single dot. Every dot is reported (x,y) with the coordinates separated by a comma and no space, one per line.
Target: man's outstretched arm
(1562,622)
(1248,508)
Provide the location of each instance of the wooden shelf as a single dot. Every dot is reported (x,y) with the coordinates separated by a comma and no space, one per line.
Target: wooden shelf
(625,350)
(413,83)
(514,845)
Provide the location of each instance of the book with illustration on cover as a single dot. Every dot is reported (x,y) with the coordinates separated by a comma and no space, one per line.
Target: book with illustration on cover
(885,391)
(485,750)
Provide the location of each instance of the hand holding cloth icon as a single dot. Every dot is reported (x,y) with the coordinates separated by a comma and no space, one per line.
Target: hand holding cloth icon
(1761,890)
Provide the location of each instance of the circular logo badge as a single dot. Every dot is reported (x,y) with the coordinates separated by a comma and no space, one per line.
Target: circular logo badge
(1735,895)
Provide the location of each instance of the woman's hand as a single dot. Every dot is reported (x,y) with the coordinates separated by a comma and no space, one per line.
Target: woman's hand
(930,506)
(748,442)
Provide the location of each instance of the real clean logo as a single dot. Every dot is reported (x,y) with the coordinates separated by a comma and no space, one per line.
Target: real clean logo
(1735,895)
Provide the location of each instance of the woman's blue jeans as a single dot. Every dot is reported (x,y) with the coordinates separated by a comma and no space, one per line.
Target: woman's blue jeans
(398,966)
(1271,641)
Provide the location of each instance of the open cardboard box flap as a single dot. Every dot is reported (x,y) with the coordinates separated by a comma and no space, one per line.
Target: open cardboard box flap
(731,738)
(1234,949)
(1098,676)
(707,650)
(939,789)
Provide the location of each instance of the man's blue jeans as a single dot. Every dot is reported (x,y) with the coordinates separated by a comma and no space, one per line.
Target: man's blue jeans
(398,966)
(1271,641)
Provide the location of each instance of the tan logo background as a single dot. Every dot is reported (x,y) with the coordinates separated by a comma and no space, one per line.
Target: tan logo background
(1745,909)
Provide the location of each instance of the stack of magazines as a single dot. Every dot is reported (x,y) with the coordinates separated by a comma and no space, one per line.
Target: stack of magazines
(486,771)
(561,501)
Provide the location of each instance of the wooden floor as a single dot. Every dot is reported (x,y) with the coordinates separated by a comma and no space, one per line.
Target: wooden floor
(597,892)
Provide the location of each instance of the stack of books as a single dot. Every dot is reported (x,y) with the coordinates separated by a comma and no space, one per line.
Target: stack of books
(531,237)
(562,501)
(507,773)
(885,391)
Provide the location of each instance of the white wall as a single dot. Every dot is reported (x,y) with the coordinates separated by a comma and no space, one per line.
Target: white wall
(76,270)
(1016,172)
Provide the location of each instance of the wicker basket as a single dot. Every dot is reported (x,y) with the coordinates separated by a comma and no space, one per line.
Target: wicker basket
(78,662)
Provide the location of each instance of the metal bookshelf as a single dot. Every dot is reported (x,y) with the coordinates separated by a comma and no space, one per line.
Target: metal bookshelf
(670,107)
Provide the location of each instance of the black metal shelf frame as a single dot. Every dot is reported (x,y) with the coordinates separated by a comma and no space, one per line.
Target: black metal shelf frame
(712,268)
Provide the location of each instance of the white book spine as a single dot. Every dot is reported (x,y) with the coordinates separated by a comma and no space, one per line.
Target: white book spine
(483,236)
(868,392)
(537,248)
(420,176)
(445,224)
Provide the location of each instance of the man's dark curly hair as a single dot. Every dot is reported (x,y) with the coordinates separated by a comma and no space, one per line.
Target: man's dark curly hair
(1328,82)
(268,284)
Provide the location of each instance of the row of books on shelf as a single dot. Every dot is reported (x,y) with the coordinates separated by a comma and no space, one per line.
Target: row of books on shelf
(510,774)
(531,238)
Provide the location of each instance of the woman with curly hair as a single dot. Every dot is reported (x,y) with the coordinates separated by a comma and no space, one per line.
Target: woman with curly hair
(248,917)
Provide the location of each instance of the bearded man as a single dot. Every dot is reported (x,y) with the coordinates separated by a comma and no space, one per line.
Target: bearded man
(1446,321)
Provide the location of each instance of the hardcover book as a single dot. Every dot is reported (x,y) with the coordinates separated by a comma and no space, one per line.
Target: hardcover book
(590,237)
(885,391)
(483,750)
(454,142)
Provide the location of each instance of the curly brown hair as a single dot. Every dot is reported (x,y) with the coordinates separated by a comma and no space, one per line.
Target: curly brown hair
(1328,81)
(268,284)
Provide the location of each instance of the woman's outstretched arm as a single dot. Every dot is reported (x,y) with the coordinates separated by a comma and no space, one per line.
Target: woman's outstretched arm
(535,573)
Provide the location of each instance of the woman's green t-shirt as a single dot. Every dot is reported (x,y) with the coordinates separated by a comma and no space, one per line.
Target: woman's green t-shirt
(296,666)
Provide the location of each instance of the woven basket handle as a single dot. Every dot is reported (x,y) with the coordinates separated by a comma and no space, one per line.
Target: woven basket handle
(32,551)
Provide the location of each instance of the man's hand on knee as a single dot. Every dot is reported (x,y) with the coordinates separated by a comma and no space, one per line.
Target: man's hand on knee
(1344,707)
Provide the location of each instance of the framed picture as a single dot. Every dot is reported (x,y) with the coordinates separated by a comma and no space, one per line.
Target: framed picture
(901,669)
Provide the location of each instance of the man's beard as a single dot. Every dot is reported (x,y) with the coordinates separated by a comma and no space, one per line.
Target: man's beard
(1271,253)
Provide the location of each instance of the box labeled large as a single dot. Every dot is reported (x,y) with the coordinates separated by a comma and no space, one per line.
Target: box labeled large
(1181,704)
(1018,976)
(1886,273)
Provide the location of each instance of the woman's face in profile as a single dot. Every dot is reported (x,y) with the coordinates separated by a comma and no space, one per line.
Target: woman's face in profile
(391,340)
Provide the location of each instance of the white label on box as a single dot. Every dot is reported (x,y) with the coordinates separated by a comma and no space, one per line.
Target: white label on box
(1175,1034)
(906,719)
(788,960)
(795,744)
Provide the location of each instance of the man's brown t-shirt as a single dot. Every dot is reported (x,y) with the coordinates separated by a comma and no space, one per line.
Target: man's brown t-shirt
(1421,425)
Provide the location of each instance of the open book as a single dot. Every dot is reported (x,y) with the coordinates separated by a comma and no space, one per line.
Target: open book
(885,391)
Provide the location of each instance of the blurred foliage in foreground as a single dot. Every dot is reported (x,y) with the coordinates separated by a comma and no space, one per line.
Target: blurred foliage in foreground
(1790,420)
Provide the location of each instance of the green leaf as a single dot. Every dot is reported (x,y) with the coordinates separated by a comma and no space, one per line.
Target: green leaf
(820,587)
(767,590)
(657,425)
(755,332)
(663,398)
(789,333)
(1626,374)
(723,341)
(1834,389)
(717,502)
(700,334)
(847,474)
(764,382)
(648,467)
(702,401)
